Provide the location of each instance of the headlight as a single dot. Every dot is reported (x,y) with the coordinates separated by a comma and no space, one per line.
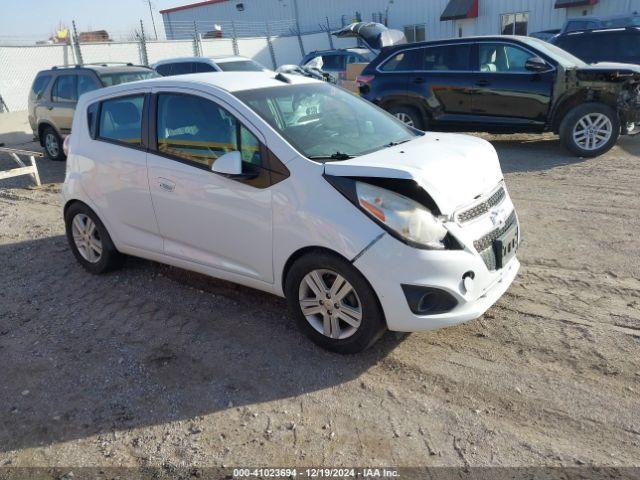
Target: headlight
(404,216)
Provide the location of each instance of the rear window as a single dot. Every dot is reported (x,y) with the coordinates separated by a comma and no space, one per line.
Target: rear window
(403,61)
(116,78)
(241,66)
(40,84)
(121,120)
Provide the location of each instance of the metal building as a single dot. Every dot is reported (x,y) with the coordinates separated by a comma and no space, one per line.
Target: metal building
(420,19)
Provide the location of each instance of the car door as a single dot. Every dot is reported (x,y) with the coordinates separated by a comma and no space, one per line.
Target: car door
(115,174)
(507,93)
(212,219)
(444,82)
(64,96)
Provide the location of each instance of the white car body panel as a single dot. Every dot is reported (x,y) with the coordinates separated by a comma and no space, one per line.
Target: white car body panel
(219,227)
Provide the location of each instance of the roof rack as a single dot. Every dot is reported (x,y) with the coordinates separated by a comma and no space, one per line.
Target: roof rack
(98,64)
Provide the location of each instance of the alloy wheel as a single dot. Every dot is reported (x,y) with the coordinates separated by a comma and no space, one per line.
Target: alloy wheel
(330,304)
(592,131)
(51,144)
(404,118)
(86,238)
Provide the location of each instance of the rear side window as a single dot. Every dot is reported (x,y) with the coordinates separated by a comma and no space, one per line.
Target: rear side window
(201,67)
(121,120)
(40,84)
(403,61)
(65,89)
(183,68)
(92,119)
(448,57)
(165,70)
(603,46)
(87,83)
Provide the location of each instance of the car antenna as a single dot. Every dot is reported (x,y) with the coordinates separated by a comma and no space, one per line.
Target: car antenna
(282,78)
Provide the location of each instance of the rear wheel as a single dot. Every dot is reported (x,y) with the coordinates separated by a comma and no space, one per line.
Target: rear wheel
(333,304)
(590,130)
(90,241)
(52,144)
(407,115)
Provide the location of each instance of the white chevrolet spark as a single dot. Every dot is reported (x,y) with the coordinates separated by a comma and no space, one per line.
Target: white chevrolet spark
(298,188)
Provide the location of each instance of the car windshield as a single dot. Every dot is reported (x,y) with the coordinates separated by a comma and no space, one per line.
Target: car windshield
(241,66)
(116,78)
(324,122)
(561,56)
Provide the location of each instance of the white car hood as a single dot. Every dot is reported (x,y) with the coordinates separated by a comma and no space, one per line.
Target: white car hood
(453,169)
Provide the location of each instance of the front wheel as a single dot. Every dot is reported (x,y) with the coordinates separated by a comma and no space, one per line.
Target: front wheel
(590,130)
(333,304)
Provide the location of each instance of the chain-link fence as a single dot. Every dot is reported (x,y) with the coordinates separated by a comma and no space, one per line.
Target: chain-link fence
(272,44)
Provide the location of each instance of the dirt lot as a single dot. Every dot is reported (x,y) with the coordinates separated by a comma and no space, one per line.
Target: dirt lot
(156,366)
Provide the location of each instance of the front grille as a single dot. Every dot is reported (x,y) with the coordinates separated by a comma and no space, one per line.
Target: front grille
(482,207)
(484,245)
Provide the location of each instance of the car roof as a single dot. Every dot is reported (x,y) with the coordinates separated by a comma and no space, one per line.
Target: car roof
(600,30)
(209,60)
(229,81)
(100,68)
(604,17)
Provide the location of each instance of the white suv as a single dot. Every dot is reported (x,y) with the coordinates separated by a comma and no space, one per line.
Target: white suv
(298,188)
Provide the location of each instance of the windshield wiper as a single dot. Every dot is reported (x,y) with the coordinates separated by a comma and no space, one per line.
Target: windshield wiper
(393,144)
(333,156)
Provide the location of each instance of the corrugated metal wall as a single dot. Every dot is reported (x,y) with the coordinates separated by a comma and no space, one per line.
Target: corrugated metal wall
(312,13)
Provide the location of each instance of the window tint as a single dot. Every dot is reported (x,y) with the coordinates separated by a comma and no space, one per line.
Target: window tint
(333,62)
(241,66)
(117,78)
(447,57)
(500,57)
(201,67)
(121,120)
(200,131)
(65,90)
(183,68)
(164,70)
(39,84)
(404,61)
(86,84)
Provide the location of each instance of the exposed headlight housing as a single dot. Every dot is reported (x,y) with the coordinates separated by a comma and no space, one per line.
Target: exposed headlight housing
(409,219)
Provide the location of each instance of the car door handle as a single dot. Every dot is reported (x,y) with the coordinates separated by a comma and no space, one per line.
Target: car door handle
(166,184)
(418,80)
(482,83)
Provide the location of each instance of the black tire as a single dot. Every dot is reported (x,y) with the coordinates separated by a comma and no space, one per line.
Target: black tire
(54,151)
(573,117)
(407,112)
(372,324)
(110,258)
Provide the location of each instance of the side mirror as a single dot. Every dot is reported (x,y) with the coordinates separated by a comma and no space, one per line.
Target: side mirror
(228,164)
(536,64)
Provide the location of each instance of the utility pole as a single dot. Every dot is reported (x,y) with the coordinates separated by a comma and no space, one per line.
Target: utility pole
(153,22)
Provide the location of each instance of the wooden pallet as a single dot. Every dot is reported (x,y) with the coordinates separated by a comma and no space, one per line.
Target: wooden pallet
(23,168)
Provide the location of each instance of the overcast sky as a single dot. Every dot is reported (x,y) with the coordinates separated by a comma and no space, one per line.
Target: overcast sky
(32,18)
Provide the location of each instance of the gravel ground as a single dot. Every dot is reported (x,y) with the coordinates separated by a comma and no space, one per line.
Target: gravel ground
(154,366)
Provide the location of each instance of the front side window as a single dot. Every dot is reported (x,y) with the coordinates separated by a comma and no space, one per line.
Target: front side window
(514,23)
(121,120)
(448,57)
(500,57)
(65,89)
(195,129)
(326,123)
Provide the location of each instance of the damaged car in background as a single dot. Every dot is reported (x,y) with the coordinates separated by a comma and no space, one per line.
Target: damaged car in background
(502,84)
